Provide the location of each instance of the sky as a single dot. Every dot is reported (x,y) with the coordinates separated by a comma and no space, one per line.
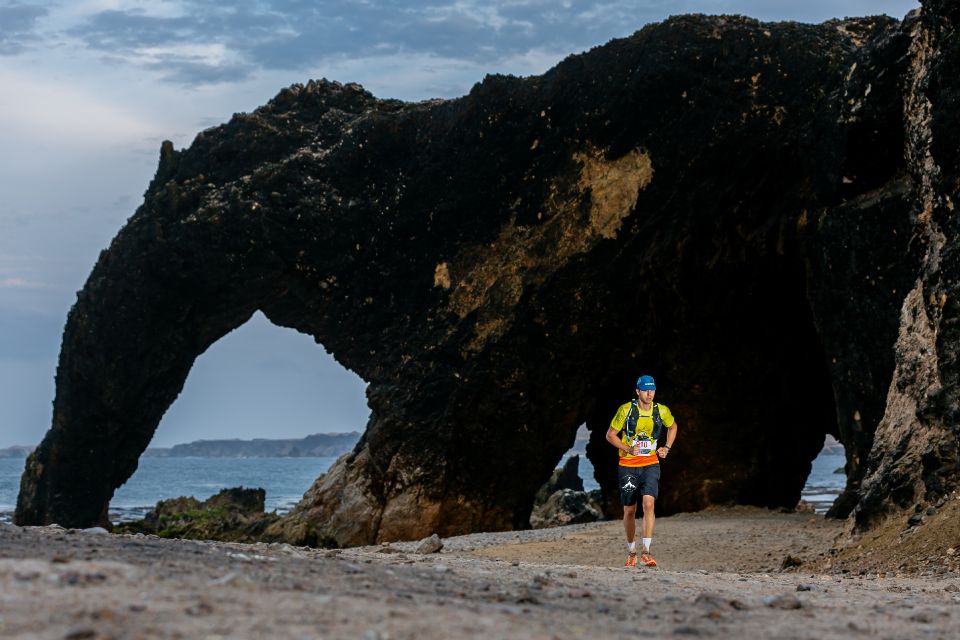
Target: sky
(90,88)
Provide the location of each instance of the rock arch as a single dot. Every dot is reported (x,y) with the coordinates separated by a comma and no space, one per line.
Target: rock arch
(714,200)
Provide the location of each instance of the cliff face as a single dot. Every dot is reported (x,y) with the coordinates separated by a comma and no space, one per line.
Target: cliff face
(761,215)
(914,454)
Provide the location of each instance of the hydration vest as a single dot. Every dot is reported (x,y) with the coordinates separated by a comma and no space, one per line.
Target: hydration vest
(634,414)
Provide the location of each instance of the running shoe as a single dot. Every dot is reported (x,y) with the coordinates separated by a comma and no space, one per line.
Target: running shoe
(631,560)
(647,559)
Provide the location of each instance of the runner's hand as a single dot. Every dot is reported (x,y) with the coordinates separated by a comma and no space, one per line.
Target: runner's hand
(662,452)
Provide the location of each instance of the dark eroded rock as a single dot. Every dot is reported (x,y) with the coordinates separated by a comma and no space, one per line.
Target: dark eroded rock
(566,507)
(565,477)
(761,215)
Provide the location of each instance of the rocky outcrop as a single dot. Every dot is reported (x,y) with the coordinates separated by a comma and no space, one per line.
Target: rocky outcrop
(566,506)
(562,500)
(565,477)
(232,515)
(761,215)
(913,457)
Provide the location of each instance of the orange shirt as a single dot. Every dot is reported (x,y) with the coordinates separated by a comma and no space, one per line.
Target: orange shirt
(644,429)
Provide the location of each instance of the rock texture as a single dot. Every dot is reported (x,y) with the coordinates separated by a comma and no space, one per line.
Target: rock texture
(562,500)
(566,506)
(232,515)
(761,215)
(565,477)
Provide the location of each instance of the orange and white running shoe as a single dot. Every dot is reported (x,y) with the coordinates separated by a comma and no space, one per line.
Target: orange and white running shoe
(631,560)
(647,559)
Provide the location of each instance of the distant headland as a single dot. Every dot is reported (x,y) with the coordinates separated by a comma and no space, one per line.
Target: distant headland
(318,445)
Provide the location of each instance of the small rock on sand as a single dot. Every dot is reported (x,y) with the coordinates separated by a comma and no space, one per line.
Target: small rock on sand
(433,544)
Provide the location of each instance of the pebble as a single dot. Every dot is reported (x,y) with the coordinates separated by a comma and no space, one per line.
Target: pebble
(541,579)
(433,544)
(687,630)
(527,596)
(199,609)
(786,601)
(224,579)
(94,531)
(713,600)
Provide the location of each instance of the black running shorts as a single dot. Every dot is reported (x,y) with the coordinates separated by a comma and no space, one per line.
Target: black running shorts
(638,481)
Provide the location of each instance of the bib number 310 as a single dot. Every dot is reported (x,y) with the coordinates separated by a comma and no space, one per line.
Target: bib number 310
(646,446)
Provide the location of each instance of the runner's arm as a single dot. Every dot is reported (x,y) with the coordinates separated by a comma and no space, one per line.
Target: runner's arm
(613,437)
(671,437)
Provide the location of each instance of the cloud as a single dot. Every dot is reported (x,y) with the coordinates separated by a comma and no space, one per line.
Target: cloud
(206,45)
(17,27)
(296,35)
(190,63)
(58,112)
(20,283)
(198,43)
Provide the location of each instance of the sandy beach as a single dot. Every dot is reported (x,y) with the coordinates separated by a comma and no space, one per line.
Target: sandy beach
(720,575)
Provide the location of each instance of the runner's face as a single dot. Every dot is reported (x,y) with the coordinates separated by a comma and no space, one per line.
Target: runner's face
(646,395)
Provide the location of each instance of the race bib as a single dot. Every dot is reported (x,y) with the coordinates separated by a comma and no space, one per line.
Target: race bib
(647,447)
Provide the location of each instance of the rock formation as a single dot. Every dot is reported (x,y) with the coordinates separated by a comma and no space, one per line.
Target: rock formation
(562,500)
(232,515)
(565,477)
(760,215)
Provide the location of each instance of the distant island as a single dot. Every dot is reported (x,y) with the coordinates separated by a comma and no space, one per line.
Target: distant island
(16,452)
(318,445)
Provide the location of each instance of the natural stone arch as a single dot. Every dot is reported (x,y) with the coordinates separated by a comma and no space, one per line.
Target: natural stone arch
(482,263)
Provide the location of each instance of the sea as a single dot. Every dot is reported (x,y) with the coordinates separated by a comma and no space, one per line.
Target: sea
(285,480)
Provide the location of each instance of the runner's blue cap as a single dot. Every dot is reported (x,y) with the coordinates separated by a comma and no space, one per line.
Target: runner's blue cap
(646,383)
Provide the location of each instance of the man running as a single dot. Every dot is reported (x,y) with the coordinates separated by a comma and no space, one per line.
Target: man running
(635,431)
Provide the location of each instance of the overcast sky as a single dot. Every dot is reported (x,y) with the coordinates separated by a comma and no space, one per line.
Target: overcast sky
(90,88)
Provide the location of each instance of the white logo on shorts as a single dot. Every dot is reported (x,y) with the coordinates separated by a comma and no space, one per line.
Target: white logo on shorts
(629,485)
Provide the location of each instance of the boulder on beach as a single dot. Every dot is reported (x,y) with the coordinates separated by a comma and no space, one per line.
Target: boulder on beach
(232,515)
